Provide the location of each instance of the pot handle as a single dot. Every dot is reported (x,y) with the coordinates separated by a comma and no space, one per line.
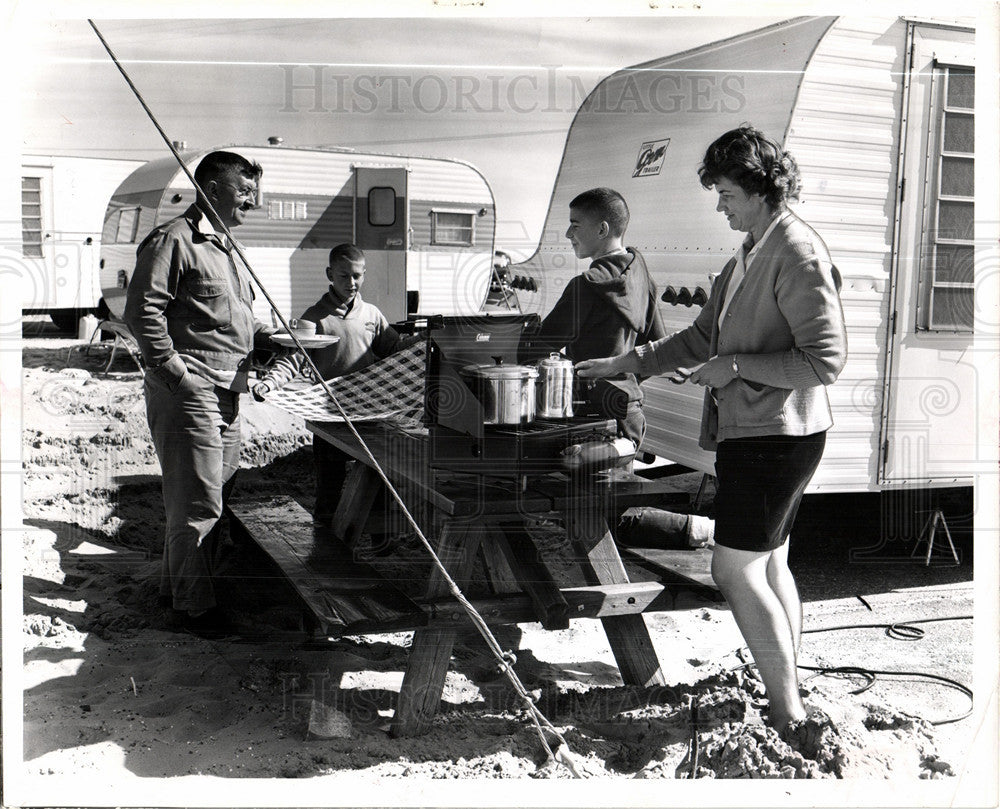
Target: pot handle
(497,359)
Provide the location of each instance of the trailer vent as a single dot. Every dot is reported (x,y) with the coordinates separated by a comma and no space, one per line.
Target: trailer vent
(287,209)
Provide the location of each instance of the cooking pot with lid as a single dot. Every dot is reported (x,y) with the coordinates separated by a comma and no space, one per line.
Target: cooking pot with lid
(506,392)
(555,387)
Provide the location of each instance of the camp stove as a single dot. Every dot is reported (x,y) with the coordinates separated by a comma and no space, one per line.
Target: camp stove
(512,451)
(459,438)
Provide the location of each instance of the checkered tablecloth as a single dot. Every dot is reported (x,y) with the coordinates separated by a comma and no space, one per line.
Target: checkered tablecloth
(392,388)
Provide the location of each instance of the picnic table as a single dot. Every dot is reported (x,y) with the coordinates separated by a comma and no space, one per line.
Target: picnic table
(478,516)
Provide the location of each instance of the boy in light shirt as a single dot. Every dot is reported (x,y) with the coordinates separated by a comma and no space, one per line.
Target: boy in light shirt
(365,336)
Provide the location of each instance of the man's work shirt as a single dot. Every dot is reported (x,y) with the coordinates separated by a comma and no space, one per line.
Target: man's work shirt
(190,304)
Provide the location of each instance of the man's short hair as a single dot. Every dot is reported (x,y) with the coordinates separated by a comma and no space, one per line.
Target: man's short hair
(605,204)
(215,165)
(348,252)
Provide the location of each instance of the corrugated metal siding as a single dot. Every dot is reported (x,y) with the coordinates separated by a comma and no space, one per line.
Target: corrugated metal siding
(449,283)
(440,179)
(328,221)
(154,174)
(321,172)
(295,278)
(302,171)
(844,136)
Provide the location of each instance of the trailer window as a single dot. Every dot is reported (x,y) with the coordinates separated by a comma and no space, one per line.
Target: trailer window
(128,226)
(453,227)
(31,217)
(946,300)
(382,206)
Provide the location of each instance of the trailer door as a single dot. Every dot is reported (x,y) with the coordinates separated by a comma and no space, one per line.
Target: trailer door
(929,431)
(381,225)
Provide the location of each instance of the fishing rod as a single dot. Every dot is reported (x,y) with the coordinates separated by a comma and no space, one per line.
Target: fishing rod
(561,753)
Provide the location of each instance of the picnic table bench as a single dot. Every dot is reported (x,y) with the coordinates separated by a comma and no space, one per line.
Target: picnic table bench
(480,518)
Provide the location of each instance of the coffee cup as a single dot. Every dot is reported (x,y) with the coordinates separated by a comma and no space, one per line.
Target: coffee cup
(302,327)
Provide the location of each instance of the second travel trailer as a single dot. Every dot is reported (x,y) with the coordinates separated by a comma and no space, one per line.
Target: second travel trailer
(426,226)
(879,114)
(63,200)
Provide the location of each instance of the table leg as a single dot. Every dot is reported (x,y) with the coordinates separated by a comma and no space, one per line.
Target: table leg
(430,652)
(627,634)
(495,565)
(502,580)
(532,575)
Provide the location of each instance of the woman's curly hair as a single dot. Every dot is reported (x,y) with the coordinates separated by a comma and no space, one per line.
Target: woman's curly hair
(757,164)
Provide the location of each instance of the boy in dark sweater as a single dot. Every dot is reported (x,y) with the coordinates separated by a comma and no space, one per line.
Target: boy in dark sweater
(608,308)
(365,336)
(612,306)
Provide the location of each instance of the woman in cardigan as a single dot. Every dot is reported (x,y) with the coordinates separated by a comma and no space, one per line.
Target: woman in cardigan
(765,346)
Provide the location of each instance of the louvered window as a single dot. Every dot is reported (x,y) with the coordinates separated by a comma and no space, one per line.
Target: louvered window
(947,296)
(31,217)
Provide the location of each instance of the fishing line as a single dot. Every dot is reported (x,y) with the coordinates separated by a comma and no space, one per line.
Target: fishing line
(541,723)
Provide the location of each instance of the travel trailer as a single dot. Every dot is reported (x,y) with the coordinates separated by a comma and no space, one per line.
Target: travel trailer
(62,213)
(426,226)
(879,114)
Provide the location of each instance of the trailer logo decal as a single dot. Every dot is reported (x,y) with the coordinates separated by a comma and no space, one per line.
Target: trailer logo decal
(650,158)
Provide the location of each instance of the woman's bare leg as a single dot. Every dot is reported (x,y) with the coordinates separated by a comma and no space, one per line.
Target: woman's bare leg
(763,620)
(783,583)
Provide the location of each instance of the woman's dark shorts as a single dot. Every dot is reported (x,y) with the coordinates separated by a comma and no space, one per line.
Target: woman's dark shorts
(760,486)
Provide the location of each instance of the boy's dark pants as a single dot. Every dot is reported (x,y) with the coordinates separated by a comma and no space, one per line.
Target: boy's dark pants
(331,471)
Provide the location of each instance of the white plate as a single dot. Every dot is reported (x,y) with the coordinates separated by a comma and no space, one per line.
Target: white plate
(306,340)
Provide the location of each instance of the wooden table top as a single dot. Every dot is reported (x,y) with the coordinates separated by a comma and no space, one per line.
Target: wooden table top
(403,456)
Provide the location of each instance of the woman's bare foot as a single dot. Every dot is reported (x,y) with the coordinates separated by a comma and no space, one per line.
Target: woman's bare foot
(816,737)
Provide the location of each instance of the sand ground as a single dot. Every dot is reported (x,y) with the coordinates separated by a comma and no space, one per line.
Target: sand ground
(112,688)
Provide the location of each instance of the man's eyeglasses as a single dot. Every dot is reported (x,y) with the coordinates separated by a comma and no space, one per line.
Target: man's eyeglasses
(243,193)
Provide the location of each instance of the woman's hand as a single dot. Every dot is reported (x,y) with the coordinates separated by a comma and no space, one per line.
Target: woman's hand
(716,373)
(592,369)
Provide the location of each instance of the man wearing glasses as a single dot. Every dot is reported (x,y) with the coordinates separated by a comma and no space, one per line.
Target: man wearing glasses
(189,305)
